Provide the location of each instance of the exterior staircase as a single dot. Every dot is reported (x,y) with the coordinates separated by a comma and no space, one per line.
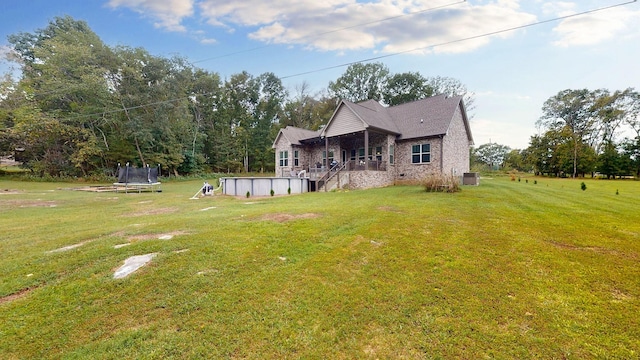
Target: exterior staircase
(336,178)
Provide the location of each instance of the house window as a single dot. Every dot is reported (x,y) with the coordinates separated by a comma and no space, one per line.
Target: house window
(324,157)
(361,154)
(353,155)
(421,154)
(375,153)
(296,158)
(392,153)
(284,158)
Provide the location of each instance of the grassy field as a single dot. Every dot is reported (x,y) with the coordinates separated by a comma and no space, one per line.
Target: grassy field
(509,269)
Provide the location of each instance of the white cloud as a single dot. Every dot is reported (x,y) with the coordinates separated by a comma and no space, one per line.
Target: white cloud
(208,41)
(168,13)
(384,26)
(559,8)
(595,28)
(461,23)
(260,12)
(388,25)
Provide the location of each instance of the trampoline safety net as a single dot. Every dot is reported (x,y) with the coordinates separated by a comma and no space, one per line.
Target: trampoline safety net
(131,175)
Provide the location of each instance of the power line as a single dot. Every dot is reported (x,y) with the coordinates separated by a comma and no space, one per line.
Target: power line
(461,40)
(311,36)
(316,35)
(133,107)
(395,54)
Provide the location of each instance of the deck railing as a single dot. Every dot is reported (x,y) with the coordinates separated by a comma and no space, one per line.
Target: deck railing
(371,165)
(316,173)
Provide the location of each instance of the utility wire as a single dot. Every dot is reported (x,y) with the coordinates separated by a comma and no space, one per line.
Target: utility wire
(311,36)
(460,40)
(396,53)
(316,35)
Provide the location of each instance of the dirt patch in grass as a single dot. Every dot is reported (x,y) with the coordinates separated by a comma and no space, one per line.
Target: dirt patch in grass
(9,192)
(163,236)
(620,296)
(289,217)
(17,295)
(389,209)
(30,203)
(595,249)
(158,211)
(96,188)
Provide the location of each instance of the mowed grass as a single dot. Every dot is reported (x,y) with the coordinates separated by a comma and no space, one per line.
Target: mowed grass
(504,270)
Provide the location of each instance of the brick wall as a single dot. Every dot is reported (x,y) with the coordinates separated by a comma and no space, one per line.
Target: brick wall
(405,170)
(370,179)
(456,147)
(282,145)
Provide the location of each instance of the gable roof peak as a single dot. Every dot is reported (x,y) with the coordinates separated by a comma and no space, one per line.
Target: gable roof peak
(295,134)
(372,105)
(426,117)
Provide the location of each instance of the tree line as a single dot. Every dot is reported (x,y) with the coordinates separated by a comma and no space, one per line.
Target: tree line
(581,132)
(81,107)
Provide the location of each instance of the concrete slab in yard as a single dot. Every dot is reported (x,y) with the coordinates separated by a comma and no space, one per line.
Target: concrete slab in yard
(132,264)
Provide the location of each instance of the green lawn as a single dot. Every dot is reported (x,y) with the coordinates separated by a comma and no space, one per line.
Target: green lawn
(505,270)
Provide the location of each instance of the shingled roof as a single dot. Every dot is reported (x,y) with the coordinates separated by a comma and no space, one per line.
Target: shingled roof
(427,117)
(418,119)
(374,115)
(423,118)
(294,135)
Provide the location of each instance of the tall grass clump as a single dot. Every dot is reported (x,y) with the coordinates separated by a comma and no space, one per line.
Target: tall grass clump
(441,183)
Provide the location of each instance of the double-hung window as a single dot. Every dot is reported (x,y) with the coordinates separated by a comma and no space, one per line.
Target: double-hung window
(421,154)
(296,158)
(284,158)
(375,153)
(324,157)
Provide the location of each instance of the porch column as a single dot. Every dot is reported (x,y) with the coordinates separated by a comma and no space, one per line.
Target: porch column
(326,149)
(366,149)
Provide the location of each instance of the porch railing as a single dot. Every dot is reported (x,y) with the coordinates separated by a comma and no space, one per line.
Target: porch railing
(371,165)
(329,175)
(317,173)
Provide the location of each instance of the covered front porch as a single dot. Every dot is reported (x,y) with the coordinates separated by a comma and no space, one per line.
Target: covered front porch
(335,161)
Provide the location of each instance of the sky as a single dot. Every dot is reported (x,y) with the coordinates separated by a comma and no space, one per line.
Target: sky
(513,55)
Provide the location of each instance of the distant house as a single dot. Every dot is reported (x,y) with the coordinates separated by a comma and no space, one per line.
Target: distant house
(368,145)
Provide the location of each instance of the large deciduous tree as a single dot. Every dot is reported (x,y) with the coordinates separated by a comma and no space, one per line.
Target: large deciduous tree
(361,82)
(492,154)
(270,102)
(452,87)
(631,158)
(373,81)
(64,67)
(628,102)
(574,111)
(208,130)
(610,161)
(406,87)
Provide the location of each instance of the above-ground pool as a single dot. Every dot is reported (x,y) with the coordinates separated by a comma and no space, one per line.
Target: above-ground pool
(262,186)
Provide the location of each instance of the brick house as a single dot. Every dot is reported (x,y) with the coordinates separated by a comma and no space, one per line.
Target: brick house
(368,145)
